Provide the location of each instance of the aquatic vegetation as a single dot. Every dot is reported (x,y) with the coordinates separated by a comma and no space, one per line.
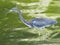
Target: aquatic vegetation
(14,32)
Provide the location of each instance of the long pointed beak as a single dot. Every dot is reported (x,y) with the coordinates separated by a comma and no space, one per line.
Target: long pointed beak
(9,11)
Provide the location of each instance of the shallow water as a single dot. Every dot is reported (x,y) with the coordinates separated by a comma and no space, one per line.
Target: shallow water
(14,32)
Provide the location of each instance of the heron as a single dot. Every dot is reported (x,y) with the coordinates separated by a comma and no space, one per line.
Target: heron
(36,22)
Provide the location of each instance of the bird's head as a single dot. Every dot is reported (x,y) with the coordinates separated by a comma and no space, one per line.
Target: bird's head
(14,9)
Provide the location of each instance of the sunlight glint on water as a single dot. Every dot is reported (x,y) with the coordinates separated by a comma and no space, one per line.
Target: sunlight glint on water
(40,7)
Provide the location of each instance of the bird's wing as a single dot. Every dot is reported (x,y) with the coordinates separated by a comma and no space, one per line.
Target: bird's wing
(39,23)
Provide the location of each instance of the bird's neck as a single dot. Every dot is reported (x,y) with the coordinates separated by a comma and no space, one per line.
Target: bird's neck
(22,19)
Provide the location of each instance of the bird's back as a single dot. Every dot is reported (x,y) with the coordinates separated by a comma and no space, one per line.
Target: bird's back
(40,22)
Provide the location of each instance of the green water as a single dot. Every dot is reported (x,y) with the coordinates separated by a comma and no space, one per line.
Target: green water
(14,32)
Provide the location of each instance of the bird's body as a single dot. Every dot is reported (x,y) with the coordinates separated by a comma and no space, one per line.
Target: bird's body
(42,22)
(37,22)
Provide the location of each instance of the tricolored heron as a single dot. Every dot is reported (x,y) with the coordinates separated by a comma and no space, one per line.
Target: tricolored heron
(37,22)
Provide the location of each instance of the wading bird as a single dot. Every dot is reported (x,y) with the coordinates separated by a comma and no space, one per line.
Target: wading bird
(37,22)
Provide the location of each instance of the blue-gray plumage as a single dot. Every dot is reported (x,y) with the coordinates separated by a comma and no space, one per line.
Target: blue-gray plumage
(37,22)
